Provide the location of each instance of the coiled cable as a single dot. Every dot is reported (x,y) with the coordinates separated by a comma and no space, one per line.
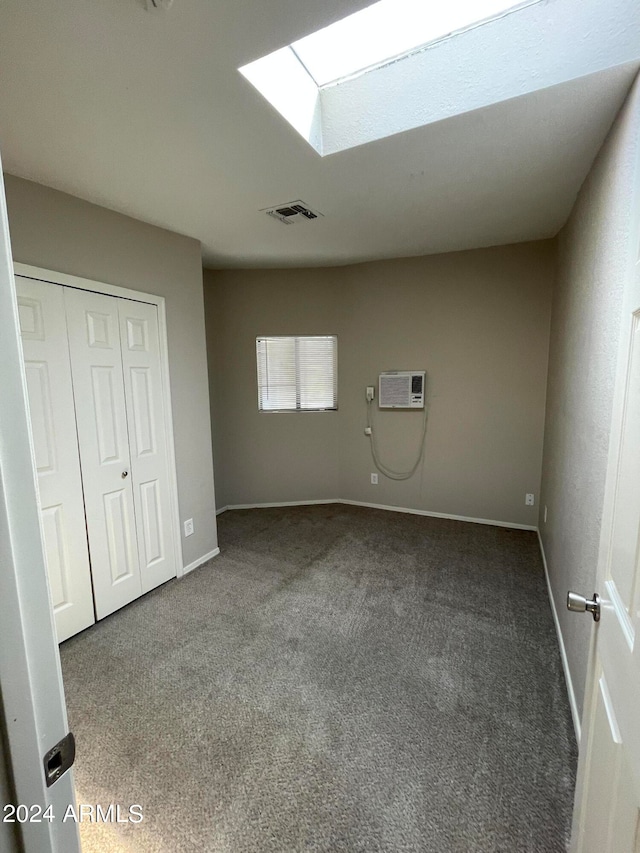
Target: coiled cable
(384,469)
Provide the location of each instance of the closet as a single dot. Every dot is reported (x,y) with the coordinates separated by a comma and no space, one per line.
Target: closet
(94,381)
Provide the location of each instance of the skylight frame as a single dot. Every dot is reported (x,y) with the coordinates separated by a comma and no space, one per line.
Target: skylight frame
(502,56)
(332,41)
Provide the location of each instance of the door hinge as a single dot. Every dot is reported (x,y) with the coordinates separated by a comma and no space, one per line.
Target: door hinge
(59,759)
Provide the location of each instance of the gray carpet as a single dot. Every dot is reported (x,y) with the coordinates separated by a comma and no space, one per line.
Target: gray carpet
(339,679)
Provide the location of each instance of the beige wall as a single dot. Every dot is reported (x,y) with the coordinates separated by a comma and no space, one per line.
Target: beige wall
(264,457)
(477,322)
(594,250)
(57,231)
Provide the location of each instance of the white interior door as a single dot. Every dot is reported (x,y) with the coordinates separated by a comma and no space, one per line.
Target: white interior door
(139,337)
(607,818)
(48,372)
(32,712)
(96,362)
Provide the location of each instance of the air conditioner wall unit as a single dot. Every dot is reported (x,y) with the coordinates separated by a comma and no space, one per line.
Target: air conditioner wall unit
(401,389)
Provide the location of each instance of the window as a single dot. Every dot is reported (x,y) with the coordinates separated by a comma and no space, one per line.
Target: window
(317,83)
(387,29)
(297,374)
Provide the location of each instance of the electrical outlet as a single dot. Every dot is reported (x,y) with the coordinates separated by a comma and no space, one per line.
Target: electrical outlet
(371,393)
(545,515)
(529,499)
(188,527)
(374,479)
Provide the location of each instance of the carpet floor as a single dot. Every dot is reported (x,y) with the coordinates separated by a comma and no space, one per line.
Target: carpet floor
(338,679)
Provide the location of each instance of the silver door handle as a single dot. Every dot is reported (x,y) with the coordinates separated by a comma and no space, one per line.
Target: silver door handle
(580,604)
(125,474)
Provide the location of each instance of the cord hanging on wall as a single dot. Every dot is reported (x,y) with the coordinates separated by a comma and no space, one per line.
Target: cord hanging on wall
(158,5)
(369,431)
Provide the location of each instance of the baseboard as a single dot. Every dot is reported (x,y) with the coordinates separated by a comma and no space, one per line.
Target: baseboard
(200,561)
(273,504)
(489,521)
(221,510)
(563,652)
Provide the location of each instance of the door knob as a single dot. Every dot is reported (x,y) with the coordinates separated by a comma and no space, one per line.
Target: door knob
(580,604)
(125,474)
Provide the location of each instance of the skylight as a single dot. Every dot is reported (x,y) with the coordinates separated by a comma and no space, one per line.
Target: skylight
(402,64)
(387,29)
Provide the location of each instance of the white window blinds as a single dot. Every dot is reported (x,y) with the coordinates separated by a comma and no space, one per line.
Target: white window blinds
(297,373)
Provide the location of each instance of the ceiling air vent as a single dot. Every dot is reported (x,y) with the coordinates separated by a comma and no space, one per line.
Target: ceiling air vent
(292,212)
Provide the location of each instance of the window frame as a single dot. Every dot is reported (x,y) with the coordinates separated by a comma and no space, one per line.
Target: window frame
(298,409)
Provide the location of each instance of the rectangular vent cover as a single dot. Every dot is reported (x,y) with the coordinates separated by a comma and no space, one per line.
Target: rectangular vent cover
(292,212)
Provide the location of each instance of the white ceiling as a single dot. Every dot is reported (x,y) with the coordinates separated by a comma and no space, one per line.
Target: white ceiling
(147,114)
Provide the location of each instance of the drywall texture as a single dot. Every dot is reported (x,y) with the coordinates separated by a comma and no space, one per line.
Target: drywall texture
(57,231)
(594,251)
(477,322)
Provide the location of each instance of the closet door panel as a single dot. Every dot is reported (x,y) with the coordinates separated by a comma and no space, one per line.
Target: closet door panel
(96,361)
(148,441)
(51,408)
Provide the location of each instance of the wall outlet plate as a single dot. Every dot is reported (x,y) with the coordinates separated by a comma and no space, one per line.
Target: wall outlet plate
(188,527)
(374,479)
(529,499)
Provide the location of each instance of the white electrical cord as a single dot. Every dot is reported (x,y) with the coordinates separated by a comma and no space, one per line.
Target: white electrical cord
(384,469)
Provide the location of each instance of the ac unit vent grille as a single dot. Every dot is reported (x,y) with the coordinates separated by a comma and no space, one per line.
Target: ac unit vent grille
(292,212)
(401,389)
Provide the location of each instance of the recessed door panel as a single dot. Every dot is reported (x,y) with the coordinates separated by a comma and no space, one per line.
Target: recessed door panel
(96,361)
(117,514)
(151,522)
(51,408)
(42,428)
(142,410)
(30,315)
(137,334)
(606,753)
(57,558)
(106,416)
(148,440)
(100,331)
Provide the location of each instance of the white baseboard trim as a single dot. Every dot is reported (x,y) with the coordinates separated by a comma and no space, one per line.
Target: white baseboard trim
(488,521)
(281,503)
(563,652)
(221,510)
(200,561)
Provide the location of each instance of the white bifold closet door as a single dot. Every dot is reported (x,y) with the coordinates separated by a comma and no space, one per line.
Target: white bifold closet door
(46,358)
(98,385)
(96,402)
(115,364)
(140,343)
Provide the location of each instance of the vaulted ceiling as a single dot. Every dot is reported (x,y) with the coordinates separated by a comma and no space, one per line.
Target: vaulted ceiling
(147,114)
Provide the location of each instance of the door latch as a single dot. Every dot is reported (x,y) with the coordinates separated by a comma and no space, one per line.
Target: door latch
(59,759)
(580,604)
